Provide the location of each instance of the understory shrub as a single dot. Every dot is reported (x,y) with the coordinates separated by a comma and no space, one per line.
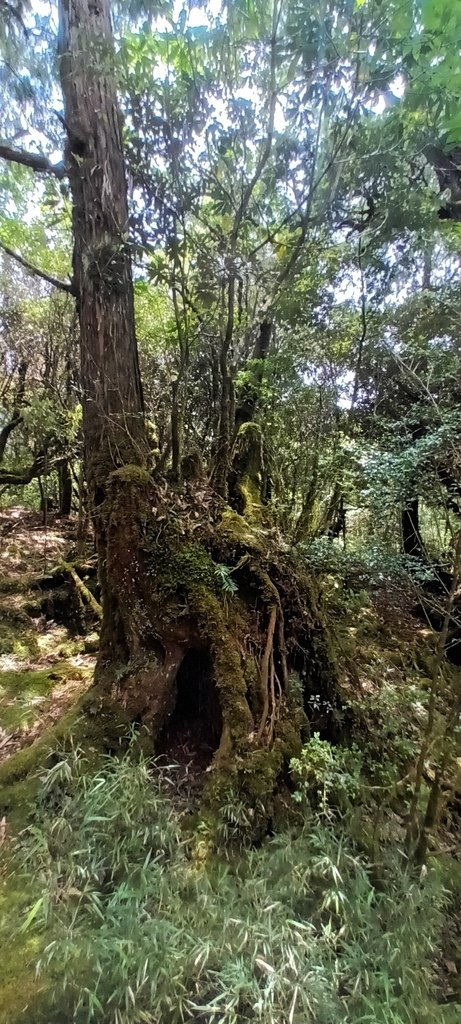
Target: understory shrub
(135,928)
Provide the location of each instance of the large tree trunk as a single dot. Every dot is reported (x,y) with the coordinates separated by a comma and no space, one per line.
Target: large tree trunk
(112,396)
(113,421)
(168,571)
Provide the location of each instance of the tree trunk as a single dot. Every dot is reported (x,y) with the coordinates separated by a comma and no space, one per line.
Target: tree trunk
(412,543)
(65,488)
(113,421)
(171,612)
(223,443)
(246,477)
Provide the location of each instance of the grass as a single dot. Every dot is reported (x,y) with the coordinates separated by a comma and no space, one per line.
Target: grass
(134,927)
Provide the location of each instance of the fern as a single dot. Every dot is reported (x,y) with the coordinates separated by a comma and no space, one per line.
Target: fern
(223,574)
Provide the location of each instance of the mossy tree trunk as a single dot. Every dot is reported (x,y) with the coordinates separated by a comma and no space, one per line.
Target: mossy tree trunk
(247,479)
(168,588)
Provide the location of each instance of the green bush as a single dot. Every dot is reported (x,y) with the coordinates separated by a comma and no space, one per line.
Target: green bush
(325,775)
(135,928)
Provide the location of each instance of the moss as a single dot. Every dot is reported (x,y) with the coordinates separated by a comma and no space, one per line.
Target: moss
(131,474)
(190,567)
(16,636)
(13,585)
(22,692)
(70,648)
(250,492)
(247,465)
(259,771)
(235,533)
(227,662)
(22,994)
(253,685)
(29,682)
(91,643)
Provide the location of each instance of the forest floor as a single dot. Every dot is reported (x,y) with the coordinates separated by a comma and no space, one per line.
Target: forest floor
(44,665)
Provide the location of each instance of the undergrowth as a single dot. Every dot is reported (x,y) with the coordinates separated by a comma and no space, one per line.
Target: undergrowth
(134,927)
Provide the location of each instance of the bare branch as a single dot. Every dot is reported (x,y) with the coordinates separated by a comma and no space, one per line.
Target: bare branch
(38,163)
(64,286)
(21,477)
(16,417)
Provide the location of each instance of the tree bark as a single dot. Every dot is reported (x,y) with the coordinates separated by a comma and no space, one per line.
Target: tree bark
(111,384)
(16,416)
(412,543)
(113,413)
(251,393)
(65,488)
(246,476)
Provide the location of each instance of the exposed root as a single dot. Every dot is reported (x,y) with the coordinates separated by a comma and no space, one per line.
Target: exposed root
(267,667)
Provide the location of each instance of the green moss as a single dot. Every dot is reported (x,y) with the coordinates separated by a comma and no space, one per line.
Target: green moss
(21,992)
(237,533)
(24,691)
(250,494)
(131,474)
(70,648)
(9,585)
(247,465)
(28,683)
(16,636)
(227,662)
(91,643)
(190,567)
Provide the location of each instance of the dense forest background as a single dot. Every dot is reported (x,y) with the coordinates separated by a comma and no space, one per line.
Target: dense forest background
(230,510)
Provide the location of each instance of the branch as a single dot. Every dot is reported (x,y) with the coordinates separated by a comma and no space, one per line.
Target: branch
(64,286)
(6,431)
(21,477)
(447,167)
(82,589)
(16,417)
(266,150)
(38,163)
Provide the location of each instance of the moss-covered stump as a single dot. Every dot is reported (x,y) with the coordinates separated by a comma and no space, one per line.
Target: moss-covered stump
(184,576)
